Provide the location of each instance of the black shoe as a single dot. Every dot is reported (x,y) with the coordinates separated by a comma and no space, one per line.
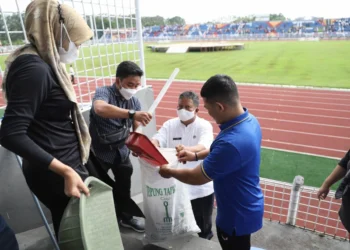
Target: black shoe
(135,224)
(211,235)
(207,237)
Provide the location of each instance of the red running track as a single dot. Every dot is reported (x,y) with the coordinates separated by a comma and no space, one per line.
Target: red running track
(301,120)
(295,119)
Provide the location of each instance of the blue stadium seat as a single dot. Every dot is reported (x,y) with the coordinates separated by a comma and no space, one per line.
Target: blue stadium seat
(257,28)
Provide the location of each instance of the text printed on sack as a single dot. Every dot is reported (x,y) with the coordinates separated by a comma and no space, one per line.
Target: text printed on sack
(160,191)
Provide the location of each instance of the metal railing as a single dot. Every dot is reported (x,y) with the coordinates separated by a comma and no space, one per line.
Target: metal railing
(311,214)
(251,37)
(98,58)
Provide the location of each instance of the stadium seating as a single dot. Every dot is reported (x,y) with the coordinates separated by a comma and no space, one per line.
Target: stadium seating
(256,28)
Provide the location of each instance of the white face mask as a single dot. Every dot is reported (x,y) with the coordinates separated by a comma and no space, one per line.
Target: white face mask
(71,54)
(127,93)
(185,115)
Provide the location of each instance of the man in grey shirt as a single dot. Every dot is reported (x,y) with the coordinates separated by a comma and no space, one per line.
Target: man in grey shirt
(114,111)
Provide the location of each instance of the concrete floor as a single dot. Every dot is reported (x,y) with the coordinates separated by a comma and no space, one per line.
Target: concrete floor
(273,236)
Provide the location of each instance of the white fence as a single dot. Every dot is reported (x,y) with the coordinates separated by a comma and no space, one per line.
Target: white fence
(312,214)
(98,60)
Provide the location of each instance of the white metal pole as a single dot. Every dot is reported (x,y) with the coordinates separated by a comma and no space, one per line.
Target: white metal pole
(6,28)
(160,96)
(294,200)
(22,24)
(37,203)
(140,40)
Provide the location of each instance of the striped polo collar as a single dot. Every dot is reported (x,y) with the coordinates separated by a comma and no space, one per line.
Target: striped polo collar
(236,120)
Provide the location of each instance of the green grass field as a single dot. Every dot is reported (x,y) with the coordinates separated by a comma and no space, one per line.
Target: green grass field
(321,64)
(284,166)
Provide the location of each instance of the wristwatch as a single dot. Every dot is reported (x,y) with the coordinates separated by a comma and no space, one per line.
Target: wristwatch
(131,113)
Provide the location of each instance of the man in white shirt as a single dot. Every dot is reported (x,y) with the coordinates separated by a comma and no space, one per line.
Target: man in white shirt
(193,133)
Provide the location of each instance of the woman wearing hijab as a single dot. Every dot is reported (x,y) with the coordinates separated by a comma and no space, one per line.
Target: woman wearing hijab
(341,171)
(42,122)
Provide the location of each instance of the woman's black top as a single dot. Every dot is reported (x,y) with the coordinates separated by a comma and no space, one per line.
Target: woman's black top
(37,124)
(345,161)
(344,212)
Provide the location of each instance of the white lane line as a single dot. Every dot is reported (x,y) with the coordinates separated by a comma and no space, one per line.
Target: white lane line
(293,144)
(277,112)
(282,105)
(304,153)
(299,107)
(281,130)
(307,133)
(246,93)
(277,99)
(263,85)
(286,121)
(273,87)
(302,145)
(308,123)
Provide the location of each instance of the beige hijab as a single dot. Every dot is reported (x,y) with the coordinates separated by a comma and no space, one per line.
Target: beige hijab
(43,28)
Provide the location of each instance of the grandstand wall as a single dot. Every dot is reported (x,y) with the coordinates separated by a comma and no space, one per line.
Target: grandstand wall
(259,29)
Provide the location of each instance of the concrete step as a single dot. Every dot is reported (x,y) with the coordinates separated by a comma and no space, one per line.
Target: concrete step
(273,236)
(38,239)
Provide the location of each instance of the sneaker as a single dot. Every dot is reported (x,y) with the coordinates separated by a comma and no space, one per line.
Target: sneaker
(207,237)
(135,224)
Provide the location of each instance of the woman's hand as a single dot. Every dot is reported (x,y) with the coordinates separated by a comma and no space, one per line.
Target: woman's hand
(73,185)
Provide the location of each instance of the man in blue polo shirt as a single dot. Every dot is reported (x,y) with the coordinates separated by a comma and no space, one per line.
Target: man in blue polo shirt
(233,163)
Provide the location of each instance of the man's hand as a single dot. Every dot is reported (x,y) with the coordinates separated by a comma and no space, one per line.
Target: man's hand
(179,148)
(73,184)
(135,154)
(165,171)
(143,117)
(185,156)
(155,143)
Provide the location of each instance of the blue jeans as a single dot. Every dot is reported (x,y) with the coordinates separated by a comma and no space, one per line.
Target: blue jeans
(8,239)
